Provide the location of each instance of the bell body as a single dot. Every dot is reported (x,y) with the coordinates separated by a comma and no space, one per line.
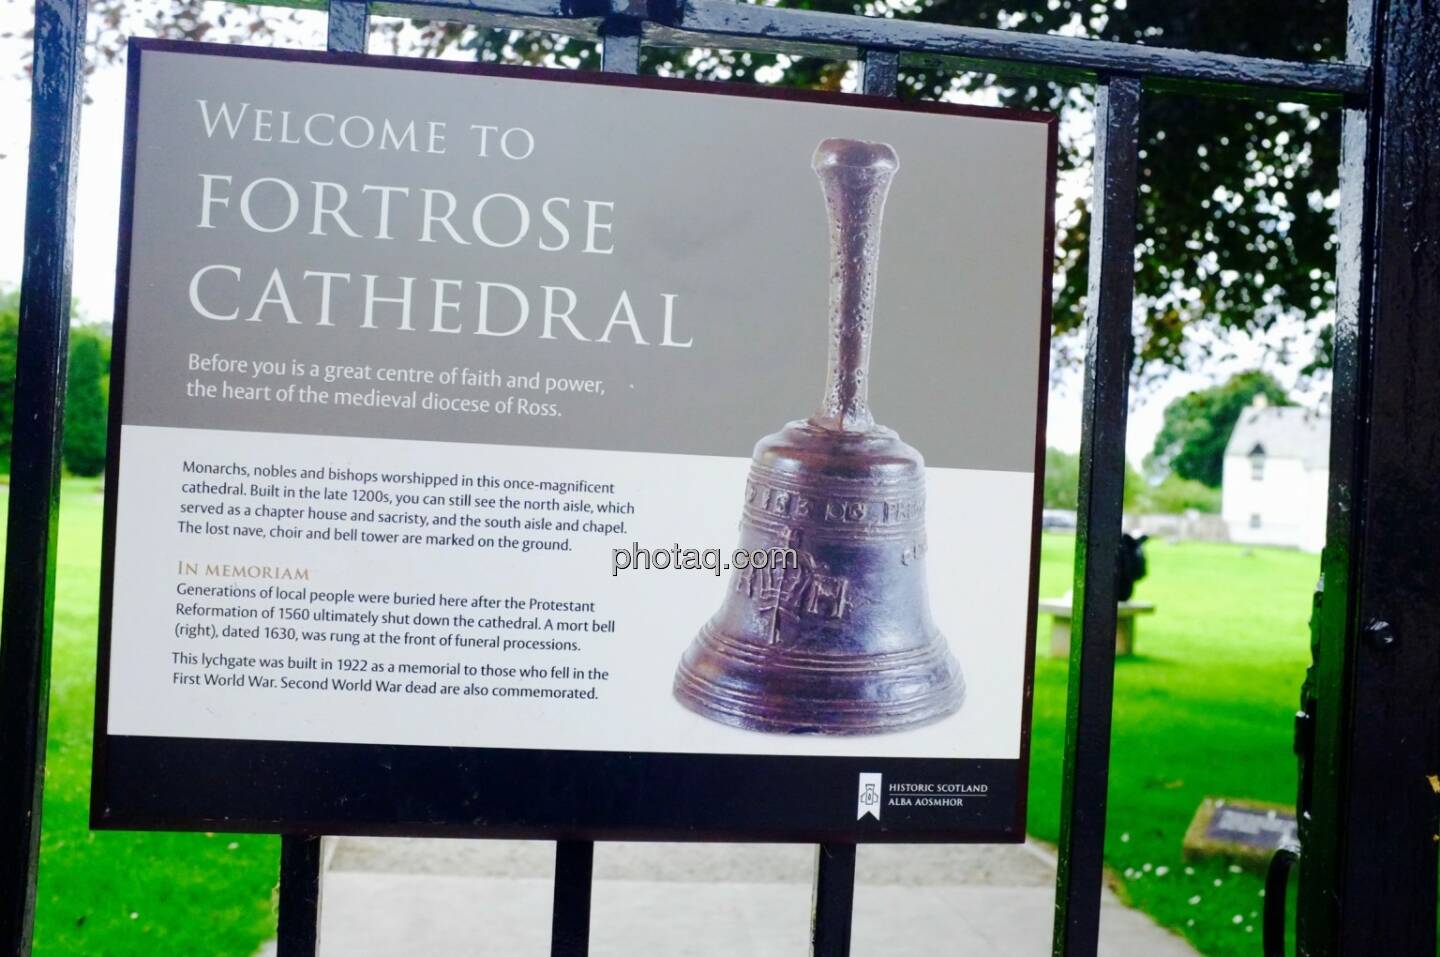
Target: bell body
(841,641)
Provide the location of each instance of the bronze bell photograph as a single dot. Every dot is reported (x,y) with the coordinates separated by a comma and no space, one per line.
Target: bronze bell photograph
(839,641)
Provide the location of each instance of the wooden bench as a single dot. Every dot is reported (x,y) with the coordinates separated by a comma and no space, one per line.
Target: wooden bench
(1126,624)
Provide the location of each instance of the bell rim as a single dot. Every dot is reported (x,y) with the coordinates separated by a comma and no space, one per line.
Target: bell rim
(838,714)
(926,711)
(919,658)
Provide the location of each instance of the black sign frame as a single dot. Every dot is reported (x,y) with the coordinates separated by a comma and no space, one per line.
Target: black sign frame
(235,785)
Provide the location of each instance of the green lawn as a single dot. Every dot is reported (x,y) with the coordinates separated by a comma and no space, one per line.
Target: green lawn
(113,894)
(1205,709)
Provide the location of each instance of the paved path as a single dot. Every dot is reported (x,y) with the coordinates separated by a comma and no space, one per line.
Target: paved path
(492,899)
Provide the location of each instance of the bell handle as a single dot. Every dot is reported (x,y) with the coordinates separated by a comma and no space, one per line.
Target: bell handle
(855,178)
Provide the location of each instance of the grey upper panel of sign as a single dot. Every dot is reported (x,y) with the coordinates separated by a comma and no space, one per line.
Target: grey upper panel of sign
(388,235)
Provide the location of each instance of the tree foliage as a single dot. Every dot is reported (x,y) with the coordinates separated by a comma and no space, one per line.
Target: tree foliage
(85,402)
(1173,495)
(1062,481)
(1196,427)
(1169,496)
(1236,197)
(1062,478)
(84,411)
(86,395)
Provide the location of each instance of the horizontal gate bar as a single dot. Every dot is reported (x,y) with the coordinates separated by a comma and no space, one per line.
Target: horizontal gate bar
(841,36)
(552,16)
(999,50)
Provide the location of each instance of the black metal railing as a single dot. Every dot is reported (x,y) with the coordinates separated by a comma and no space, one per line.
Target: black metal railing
(1368,877)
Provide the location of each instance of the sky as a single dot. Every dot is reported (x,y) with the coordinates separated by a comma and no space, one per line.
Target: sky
(97,213)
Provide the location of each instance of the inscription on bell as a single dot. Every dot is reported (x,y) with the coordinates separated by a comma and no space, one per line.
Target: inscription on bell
(833,511)
(800,593)
(914,553)
(904,510)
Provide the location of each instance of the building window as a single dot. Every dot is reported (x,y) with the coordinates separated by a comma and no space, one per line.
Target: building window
(1255,520)
(1257,464)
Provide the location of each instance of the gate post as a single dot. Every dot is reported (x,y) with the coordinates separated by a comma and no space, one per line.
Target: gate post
(25,629)
(1368,864)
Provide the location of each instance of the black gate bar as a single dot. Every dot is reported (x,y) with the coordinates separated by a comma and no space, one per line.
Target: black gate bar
(347,26)
(1109,303)
(297,931)
(25,627)
(301,858)
(841,36)
(879,72)
(570,913)
(833,904)
(1319,730)
(998,51)
(620,46)
(1390,746)
(833,901)
(1368,866)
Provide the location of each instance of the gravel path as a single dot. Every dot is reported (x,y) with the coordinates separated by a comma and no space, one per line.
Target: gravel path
(481,898)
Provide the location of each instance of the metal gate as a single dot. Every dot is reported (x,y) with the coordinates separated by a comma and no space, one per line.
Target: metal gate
(1370,731)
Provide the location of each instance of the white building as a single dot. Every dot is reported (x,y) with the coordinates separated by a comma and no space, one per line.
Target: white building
(1277,473)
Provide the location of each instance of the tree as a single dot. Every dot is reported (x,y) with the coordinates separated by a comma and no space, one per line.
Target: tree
(1062,481)
(9,342)
(1173,495)
(9,349)
(1236,198)
(85,405)
(1196,427)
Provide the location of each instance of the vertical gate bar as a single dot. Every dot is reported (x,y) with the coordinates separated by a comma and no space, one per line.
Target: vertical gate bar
(1109,304)
(620,46)
(834,900)
(298,930)
(28,615)
(879,72)
(348,26)
(1317,903)
(301,855)
(570,918)
(1377,754)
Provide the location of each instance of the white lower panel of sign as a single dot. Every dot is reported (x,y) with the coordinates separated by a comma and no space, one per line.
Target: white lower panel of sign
(321,588)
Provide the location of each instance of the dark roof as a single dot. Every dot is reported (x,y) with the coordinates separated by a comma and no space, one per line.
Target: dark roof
(1285,432)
